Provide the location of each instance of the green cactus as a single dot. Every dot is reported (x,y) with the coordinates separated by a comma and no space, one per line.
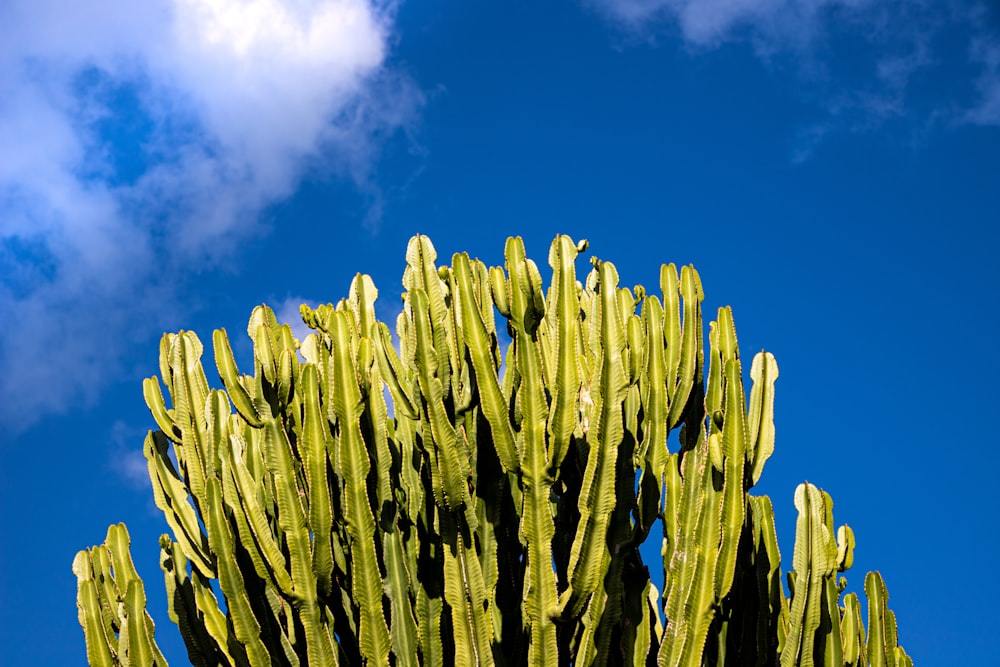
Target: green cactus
(492,513)
(112,604)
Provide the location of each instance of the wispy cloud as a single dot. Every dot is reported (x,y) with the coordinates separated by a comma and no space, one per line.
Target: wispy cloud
(986,51)
(127,460)
(139,138)
(707,23)
(865,62)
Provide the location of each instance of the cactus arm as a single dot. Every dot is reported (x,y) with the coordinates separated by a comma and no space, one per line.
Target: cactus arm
(606,604)
(398,581)
(287,370)
(734,499)
(466,595)
(205,645)
(525,306)
(563,414)
(292,521)
(139,650)
(829,630)
(881,651)
(891,637)
(107,591)
(537,526)
(154,400)
(852,631)
(845,548)
(714,396)
(190,392)
(653,446)
(597,495)
(670,507)
(426,561)
(636,345)
(430,610)
(391,369)
(767,565)
(646,638)
(246,503)
(690,346)
(461,382)
(219,416)
(171,497)
(792,653)
(164,360)
(245,625)
(209,615)
(263,350)
(500,290)
(111,602)
(637,649)
(691,601)
(477,340)
(375,417)
(362,295)
(451,464)
(495,552)
(537,522)
(484,298)
(423,275)
(588,647)
(814,561)
(229,374)
(366,578)
(534,287)
(653,605)
(313,446)
(141,646)
(763,372)
(404,625)
(670,289)
(90,615)
(540,586)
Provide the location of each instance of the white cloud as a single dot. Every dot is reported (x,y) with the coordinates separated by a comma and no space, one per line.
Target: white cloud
(139,138)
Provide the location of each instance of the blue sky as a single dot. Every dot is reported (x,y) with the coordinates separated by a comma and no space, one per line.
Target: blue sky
(831,167)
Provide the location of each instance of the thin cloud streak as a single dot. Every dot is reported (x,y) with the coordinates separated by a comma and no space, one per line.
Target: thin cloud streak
(893,47)
(709,23)
(143,139)
(986,51)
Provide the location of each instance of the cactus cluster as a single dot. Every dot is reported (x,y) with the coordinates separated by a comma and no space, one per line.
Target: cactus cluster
(491,511)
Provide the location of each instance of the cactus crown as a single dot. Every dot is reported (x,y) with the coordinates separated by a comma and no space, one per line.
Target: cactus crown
(496,516)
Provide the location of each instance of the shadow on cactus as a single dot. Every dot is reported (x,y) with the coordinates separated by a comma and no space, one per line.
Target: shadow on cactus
(480,516)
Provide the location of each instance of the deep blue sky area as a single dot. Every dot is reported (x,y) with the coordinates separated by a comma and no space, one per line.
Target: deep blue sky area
(831,168)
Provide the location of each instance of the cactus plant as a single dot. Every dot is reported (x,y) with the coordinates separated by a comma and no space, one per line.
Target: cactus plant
(492,511)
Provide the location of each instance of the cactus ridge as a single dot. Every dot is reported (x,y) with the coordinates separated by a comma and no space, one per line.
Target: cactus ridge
(492,512)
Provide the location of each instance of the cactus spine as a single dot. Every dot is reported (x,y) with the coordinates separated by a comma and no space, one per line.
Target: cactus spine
(495,515)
